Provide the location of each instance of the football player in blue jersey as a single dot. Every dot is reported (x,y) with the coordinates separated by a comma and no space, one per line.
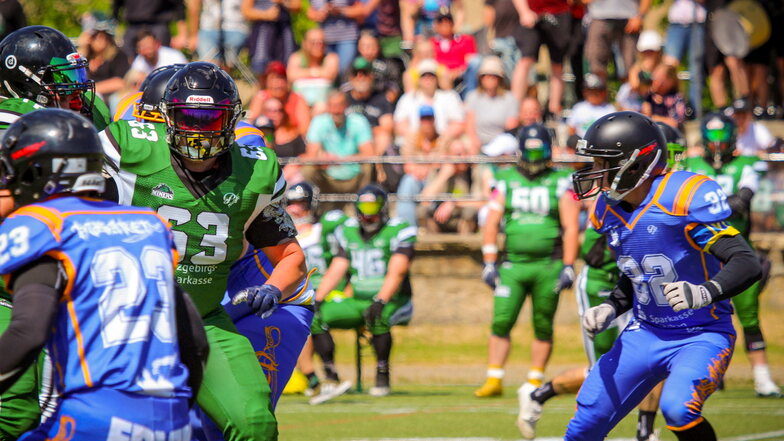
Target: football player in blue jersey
(93,281)
(680,263)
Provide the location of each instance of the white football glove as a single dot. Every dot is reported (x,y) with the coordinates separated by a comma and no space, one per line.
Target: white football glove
(685,295)
(597,319)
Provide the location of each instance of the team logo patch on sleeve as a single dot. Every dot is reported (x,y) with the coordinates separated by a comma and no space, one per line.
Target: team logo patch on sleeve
(163,191)
(230,199)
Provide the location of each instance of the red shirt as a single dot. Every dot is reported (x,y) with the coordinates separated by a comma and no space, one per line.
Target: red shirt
(453,53)
(549,6)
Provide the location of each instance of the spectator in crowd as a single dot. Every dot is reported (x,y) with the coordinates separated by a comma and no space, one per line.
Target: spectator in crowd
(613,22)
(718,64)
(424,142)
(107,64)
(216,31)
(576,47)
(338,135)
(631,93)
(13,17)
(501,24)
(447,107)
(453,51)
(286,139)
(312,70)
(686,31)
(271,36)
(665,103)
(753,137)
(490,109)
(387,72)
(373,105)
(423,50)
(340,21)
(383,20)
(547,22)
(593,106)
(417,17)
(150,16)
(153,54)
(758,61)
(530,112)
(274,84)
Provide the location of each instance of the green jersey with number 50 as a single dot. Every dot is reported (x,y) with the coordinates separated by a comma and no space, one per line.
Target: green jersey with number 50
(741,172)
(531,218)
(209,225)
(369,258)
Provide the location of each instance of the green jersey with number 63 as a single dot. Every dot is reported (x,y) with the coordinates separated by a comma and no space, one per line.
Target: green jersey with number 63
(741,172)
(531,218)
(369,258)
(209,220)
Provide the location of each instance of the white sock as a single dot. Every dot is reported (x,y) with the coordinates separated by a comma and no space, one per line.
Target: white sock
(761,373)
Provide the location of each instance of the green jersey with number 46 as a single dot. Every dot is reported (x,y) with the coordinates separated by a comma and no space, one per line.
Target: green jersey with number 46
(531,219)
(209,217)
(741,172)
(369,257)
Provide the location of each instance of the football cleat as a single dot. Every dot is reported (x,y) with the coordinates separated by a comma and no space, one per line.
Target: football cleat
(491,388)
(530,411)
(381,389)
(330,390)
(767,389)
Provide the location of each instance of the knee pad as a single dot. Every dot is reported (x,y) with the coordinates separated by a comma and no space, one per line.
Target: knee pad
(676,414)
(501,328)
(754,339)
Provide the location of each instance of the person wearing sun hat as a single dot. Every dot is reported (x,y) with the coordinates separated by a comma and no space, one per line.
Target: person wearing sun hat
(491,109)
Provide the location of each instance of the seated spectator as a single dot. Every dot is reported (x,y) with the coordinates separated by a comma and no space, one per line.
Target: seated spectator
(593,107)
(152,54)
(490,109)
(425,142)
(338,135)
(275,85)
(107,64)
(530,112)
(311,70)
(340,21)
(423,50)
(665,103)
(649,47)
(447,107)
(271,36)
(417,17)
(631,94)
(286,140)
(452,50)
(453,179)
(383,20)
(753,137)
(207,19)
(387,72)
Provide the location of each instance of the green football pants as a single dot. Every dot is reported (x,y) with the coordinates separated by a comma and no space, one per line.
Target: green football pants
(517,281)
(348,313)
(235,393)
(592,288)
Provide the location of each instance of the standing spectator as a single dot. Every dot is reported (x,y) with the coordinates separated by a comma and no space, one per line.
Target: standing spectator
(613,22)
(107,64)
(490,109)
(363,99)
(271,36)
(152,54)
(417,17)
(686,30)
(593,107)
(632,93)
(718,64)
(339,20)
(216,31)
(274,84)
(337,135)
(311,70)
(387,72)
(383,19)
(543,22)
(13,17)
(502,23)
(447,107)
(665,103)
(150,16)
(453,51)
(753,138)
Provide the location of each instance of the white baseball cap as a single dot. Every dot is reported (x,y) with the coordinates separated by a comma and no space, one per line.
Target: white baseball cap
(649,40)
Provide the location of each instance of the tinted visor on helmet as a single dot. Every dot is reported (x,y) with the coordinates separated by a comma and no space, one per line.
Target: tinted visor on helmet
(535,150)
(200,131)
(67,75)
(370,207)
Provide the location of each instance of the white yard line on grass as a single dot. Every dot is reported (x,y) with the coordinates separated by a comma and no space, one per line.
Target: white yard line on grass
(758,436)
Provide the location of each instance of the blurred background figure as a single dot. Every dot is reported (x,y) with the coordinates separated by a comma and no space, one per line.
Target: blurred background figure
(686,32)
(340,21)
(272,36)
(107,63)
(151,16)
(13,17)
(491,108)
(216,31)
(312,70)
(614,23)
(153,54)
(274,83)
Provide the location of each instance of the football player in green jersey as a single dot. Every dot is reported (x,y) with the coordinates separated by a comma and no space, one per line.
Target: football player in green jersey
(39,66)
(219,197)
(739,177)
(375,252)
(541,221)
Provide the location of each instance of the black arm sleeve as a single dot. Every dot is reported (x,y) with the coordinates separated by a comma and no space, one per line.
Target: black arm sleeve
(194,348)
(740,202)
(110,193)
(271,227)
(622,296)
(36,296)
(741,267)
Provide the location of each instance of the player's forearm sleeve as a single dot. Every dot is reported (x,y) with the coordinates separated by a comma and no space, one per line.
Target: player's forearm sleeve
(194,347)
(740,202)
(622,296)
(741,267)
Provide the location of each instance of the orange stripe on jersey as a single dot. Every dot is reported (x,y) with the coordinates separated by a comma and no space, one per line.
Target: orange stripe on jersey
(125,103)
(304,287)
(259,265)
(51,218)
(686,231)
(686,194)
(245,131)
(70,271)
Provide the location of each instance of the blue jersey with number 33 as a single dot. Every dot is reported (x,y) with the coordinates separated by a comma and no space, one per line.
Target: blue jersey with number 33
(115,325)
(667,239)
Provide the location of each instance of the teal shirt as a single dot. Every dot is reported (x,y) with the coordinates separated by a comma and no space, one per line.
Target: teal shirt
(343,141)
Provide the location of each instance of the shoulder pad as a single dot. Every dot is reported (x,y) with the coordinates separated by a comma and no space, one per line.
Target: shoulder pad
(351,222)
(333,216)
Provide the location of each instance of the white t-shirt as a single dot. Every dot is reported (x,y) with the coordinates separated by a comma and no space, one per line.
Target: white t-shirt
(166,56)
(756,138)
(213,11)
(686,12)
(446,106)
(585,113)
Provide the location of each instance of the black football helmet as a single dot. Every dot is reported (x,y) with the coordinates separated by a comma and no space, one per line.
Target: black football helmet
(41,64)
(676,145)
(627,148)
(303,192)
(201,107)
(719,133)
(535,149)
(152,88)
(50,151)
(372,208)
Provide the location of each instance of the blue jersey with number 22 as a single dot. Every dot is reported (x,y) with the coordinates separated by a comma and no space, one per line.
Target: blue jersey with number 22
(115,325)
(667,239)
